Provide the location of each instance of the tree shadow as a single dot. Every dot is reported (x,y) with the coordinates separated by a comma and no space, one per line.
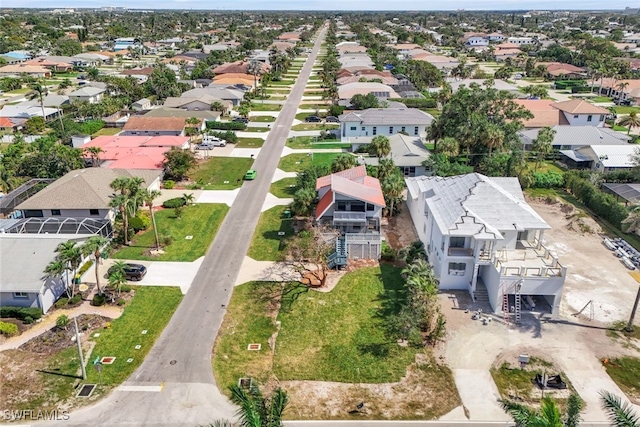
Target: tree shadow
(277,294)
(378,350)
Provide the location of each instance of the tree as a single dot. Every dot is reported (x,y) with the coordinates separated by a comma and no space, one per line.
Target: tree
(178,163)
(303,200)
(118,276)
(622,86)
(149,196)
(40,91)
(380,146)
(254,67)
(537,91)
(126,200)
(392,188)
(244,109)
(308,253)
(189,198)
(94,245)
(257,410)
(94,152)
(71,255)
(631,121)
(343,161)
(547,416)
(56,268)
(448,146)
(620,413)
(193,128)
(543,144)
(34,125)
(217,106)
(363,102)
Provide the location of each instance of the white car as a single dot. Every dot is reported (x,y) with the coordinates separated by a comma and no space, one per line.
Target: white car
(214,141)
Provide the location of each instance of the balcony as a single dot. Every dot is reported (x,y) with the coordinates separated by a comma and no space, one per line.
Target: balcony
(460,252)
(349,218)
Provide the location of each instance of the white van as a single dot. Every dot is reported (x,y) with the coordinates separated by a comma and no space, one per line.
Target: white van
(214,141)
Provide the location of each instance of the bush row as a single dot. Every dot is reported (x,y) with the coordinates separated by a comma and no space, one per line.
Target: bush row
(226,125)
(176,202)
(603,204)
(229,136)
(26,314)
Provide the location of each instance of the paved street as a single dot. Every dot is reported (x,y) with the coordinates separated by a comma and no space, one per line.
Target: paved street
(180,362)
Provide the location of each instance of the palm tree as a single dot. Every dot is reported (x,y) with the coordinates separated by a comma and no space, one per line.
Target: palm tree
(94,153)
(149,196)
(193,123)
(189,198)
(342,162)
(392,188)
(256,410)
(70,254)
(386,168)
(93,246)
(622,86)
(493,138)
(620,413)
(543,144)
(631,121)
(57,268)
(448,146)
(127,200)
(117,275)
(254,68)
(380,146)
(40,92)
(547,416)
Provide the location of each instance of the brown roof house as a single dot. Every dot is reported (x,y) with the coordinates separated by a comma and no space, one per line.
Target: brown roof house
(239,67)
(575,112)
(151,126)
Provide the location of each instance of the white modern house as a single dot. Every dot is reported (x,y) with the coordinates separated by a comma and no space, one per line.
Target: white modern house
(582,113)
(384,121)
(481,236)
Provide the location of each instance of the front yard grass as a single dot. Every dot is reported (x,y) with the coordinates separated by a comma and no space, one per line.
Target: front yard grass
(314,126)
(625,371)
(256,129)
(266,244)
(249,142)
(200,221)
(297,162)
(601,99)
(221,173)
(107,132)
(262,119)
(298,142)
(283,82)
(284,188)
(626,109)
(265,107)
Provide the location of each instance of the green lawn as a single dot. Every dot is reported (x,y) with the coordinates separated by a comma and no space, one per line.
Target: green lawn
(266,244)
(256,129)
(626,109)
(107,132)
(249,142)
(150,310)
(265,107)
(262,119)
(302,116)
(544,167)
(514,381)
(200,221)
(339,336)
(297,162)
(314,126)
(221,173)
(600,99)
(310,142)
(22,91)
(619,128)
(625,371)
(283,82)
(283,188)
(278,91)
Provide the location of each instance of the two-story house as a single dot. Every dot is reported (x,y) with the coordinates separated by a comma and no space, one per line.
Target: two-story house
(352,202)
(89,94)
(575,112)
(384,121)
(481,236)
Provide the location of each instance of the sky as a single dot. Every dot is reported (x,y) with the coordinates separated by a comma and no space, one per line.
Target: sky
(329,5)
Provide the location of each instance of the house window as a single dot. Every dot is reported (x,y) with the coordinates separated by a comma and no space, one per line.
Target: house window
(55,212)
(456,242)
(602,118)
(402,129)
(341,206)
(20,295)
(94,212)
(457,268)
(575,116)
(589,118)
(390,130)
(424,228)
(357,207)
(353,128)
(370,207)
(415,131)
(375,130)
(363,128)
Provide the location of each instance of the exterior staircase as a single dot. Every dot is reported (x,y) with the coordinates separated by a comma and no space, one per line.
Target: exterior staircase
(339,257)
(481,294)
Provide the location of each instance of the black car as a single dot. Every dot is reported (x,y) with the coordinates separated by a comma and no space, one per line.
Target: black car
(241,120)
(134,272)
(313,119)
(622,101)
(332,119)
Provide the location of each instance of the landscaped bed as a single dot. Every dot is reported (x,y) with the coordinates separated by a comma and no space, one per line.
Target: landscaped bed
(221,173)
(200,221)
(625,371)
(314,126)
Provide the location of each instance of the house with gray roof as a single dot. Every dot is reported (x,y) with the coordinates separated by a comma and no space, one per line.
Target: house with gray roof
(407,152)
(573,137)
(83,193)
(482,237)
(235,96)
(383,121)
(23,259)
(89,94)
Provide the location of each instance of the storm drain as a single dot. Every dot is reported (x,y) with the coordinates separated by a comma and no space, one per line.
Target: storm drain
(86,390)
(254,347)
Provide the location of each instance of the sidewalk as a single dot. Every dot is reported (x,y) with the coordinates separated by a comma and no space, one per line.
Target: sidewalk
(49,321)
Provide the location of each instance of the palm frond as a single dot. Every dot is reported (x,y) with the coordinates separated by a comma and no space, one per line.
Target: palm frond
(278,403)
(521,414)
(620,413)
(247,413)
(574,406)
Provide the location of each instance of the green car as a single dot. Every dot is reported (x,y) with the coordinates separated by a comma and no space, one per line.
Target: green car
(251,174)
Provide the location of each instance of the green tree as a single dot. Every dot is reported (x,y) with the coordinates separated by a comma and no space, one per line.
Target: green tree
(254,68)
(547,416)
(67,47)
(163,83)
(257,410)
(178,163)
(94,152)
(126,200)
(34,125)
(94,245)
(71,255)
(380,146)
(630,121)
(56,268)
(537,91)
(149,196)
(543,144)
(343,161)
(363,102)
(117,276)
(392,188)
(448,146)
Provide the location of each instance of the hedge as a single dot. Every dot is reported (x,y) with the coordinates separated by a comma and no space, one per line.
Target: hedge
(416,102)
(547,180)
(174,203)
(20,312)
(226,125)
(229,136)
(140,222)
(602,204)
(8,329)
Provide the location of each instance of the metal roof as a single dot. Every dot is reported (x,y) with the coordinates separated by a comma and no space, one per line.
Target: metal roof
(579,135)
(629,192)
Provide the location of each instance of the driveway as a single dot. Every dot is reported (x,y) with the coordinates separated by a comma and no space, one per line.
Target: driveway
(159,273)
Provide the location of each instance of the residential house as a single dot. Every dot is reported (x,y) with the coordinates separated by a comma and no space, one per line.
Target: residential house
(154,126)
(575,112)
(476,40)
(290,37)
(203,115)
(601,158)
(573,137)
(26,110)
(384,77)
(565,71)
(197,103)
(481,236)
(612,87)
(125,43)
(383,121)
(141,104)
(407,152)
(355,60)
(82,193)
(495,37)
(233,79)
(381,91)
(522,40)
(90,94)
(12,124)
(239,67)
(497,84)
(231,94)
(30,70)
(51,100)
(503,51)
(59,64)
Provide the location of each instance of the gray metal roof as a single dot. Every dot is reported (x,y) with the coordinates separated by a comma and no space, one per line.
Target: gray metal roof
(388,117)
(23,258)
(476,205)
(88,91)
(629,192)
(578,135)
(83,189)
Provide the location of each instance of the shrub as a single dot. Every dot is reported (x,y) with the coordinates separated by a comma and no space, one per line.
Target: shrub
(169,184)
(547,180)
(8,329)
(75,299)
(177,212)
(98,300)
(229,136)
(61,302)
(387,252)
(21,312)
(86,266)
(62,321)
(176,202)
(121,302)
(417,102)
(140,222)
(28,320)
(166,240)
(125,288)
(226,125)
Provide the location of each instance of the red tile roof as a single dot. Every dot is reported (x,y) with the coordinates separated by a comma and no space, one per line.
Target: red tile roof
(351,174)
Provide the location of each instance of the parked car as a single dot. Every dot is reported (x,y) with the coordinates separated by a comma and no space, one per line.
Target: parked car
(332,119)
(241,120)
(205,146)
(622,101)
(251,174)
(214,141)
(313,119)
(133,272)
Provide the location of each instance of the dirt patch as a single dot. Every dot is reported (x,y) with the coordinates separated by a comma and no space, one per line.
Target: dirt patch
(399,230)
(57,339)
(426,392)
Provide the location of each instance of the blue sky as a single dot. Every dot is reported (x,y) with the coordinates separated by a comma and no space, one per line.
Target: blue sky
(330,4)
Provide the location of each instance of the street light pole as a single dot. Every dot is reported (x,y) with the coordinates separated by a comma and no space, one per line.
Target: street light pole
(629,327)
(84,372)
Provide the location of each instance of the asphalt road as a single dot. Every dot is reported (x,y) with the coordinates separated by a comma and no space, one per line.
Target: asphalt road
(180,361)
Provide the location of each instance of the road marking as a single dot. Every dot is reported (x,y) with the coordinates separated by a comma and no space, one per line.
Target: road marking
(146,388)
